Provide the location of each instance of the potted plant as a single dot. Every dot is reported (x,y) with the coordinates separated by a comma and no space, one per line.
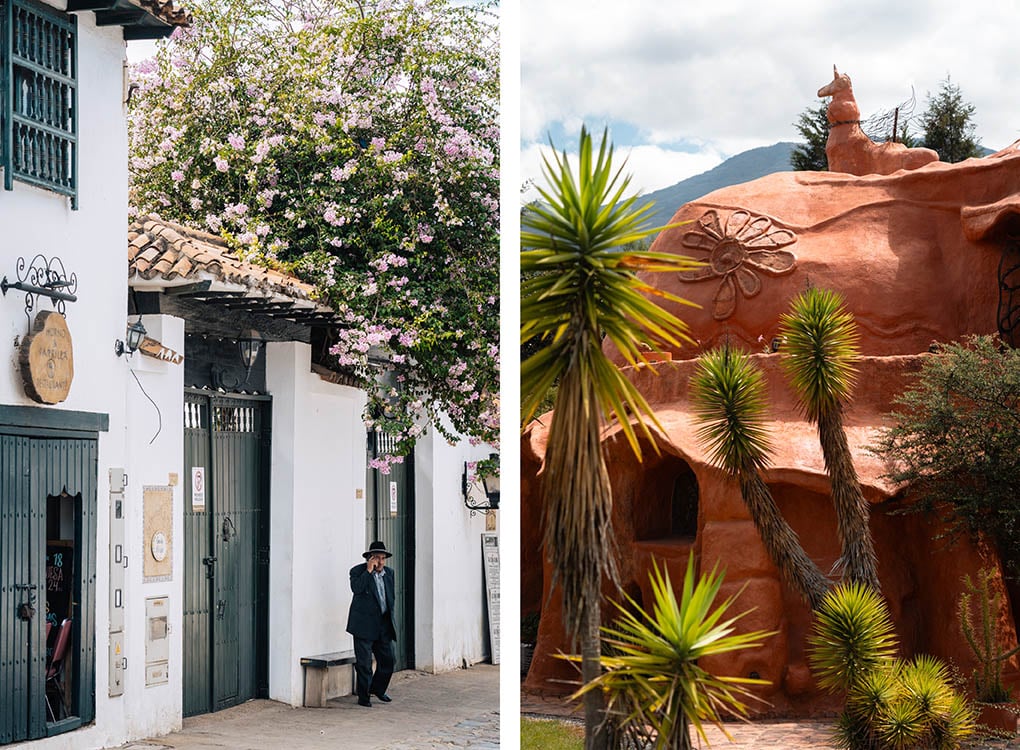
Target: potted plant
(529,637)
(997,710)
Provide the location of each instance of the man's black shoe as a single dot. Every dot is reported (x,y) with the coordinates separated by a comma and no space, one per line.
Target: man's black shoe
(383,697)
(364,702)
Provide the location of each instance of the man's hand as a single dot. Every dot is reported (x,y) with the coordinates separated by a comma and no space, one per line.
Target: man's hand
(376,562)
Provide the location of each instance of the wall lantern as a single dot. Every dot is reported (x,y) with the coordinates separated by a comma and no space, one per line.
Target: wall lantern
(248,344)
(490,482)
(135,333)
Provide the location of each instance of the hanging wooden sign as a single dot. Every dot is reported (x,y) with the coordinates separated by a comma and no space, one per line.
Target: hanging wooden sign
(46,360)
(152,348)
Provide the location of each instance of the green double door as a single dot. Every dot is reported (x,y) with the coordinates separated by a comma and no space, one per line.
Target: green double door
(390,519)
(47,510)
(226,548)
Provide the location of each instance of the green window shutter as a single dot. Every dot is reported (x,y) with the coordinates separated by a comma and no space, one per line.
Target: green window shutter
(40,90)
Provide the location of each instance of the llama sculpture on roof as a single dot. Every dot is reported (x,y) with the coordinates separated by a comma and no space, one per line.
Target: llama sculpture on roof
(849,149)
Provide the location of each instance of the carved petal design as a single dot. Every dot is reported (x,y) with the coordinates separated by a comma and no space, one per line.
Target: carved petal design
(749,284)
(754,229)
(772,261)
(736,223)
(725,301)
(775,238)
(710,223)
(699,241)
(698,274)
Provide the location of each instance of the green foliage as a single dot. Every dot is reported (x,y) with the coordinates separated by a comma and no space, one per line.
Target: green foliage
(356,145)
(891,704)
(727,393)
(852,636)
(578,286)
(550,735)
(820,348)
(728,397)
(947,124)
(655,687)
(956,441)
(981,639)
(813,126)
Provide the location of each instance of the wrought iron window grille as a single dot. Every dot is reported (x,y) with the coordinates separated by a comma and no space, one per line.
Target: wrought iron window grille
(39,97)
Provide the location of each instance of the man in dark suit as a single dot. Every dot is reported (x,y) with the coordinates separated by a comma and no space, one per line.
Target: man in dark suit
(371,623)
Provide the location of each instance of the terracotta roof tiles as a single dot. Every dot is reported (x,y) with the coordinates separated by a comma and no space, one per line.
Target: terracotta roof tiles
(162,251)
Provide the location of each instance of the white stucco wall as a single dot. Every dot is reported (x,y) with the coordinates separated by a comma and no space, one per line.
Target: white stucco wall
(91,242)
(318,518)
(450,629)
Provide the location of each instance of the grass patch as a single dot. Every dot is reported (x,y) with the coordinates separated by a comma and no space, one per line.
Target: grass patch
(543,734)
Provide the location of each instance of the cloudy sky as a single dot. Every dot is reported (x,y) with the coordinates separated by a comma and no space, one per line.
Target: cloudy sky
(683,85)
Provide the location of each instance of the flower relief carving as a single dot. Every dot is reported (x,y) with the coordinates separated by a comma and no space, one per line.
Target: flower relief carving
(748,244)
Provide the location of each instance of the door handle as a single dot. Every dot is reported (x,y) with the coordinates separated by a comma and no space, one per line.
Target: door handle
(221,605)
(208,562)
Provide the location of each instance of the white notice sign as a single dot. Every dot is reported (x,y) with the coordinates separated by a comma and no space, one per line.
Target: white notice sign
(198,488)
(393,499)
(490,563)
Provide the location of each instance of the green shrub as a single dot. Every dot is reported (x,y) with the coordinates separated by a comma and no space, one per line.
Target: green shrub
(891,704)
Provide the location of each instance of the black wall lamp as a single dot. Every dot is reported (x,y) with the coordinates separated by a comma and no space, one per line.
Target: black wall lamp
(248,344)
(490,483)
(135,333)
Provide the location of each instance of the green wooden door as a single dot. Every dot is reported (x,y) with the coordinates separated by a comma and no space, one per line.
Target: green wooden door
(390,518)
(37,473)
(226,552)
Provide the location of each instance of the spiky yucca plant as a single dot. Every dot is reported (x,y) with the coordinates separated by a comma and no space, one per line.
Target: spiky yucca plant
(852,635)
(728,397)
(890,704)
(820,345)
(579,284)
(655,687)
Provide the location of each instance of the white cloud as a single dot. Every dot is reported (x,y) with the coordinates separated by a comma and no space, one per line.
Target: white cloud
(736,72)
(652,167)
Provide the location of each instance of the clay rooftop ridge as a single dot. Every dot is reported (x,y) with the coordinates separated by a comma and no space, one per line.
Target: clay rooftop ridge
(171,254)
(165,11)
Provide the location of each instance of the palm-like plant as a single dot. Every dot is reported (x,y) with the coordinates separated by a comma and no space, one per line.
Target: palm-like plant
(728,396)
(580,284)
(890,704)
(820,341)
(655,687)
(853,636)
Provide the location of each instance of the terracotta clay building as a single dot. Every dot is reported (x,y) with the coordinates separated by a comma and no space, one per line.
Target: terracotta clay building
(919,256)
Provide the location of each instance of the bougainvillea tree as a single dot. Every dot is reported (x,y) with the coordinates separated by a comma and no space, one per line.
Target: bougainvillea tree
(356,145)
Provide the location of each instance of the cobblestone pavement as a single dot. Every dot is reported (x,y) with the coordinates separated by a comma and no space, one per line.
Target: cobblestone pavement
(761,735)
(457,709)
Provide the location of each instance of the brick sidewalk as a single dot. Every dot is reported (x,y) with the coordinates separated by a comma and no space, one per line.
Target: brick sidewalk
(766,734)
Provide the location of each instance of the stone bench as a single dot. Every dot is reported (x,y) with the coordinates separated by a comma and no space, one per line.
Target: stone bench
(327,676)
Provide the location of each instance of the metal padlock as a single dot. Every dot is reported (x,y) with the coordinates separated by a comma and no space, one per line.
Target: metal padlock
(26,611)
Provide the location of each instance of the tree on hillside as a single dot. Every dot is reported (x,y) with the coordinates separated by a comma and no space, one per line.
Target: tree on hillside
(813,126)
(355,144)
(947,124)
(578,286)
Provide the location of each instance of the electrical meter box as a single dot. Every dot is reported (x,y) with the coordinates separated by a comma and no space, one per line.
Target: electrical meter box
(157,643)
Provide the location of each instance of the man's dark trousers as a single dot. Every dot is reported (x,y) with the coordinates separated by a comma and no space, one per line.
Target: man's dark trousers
(367,682)
(372,629)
